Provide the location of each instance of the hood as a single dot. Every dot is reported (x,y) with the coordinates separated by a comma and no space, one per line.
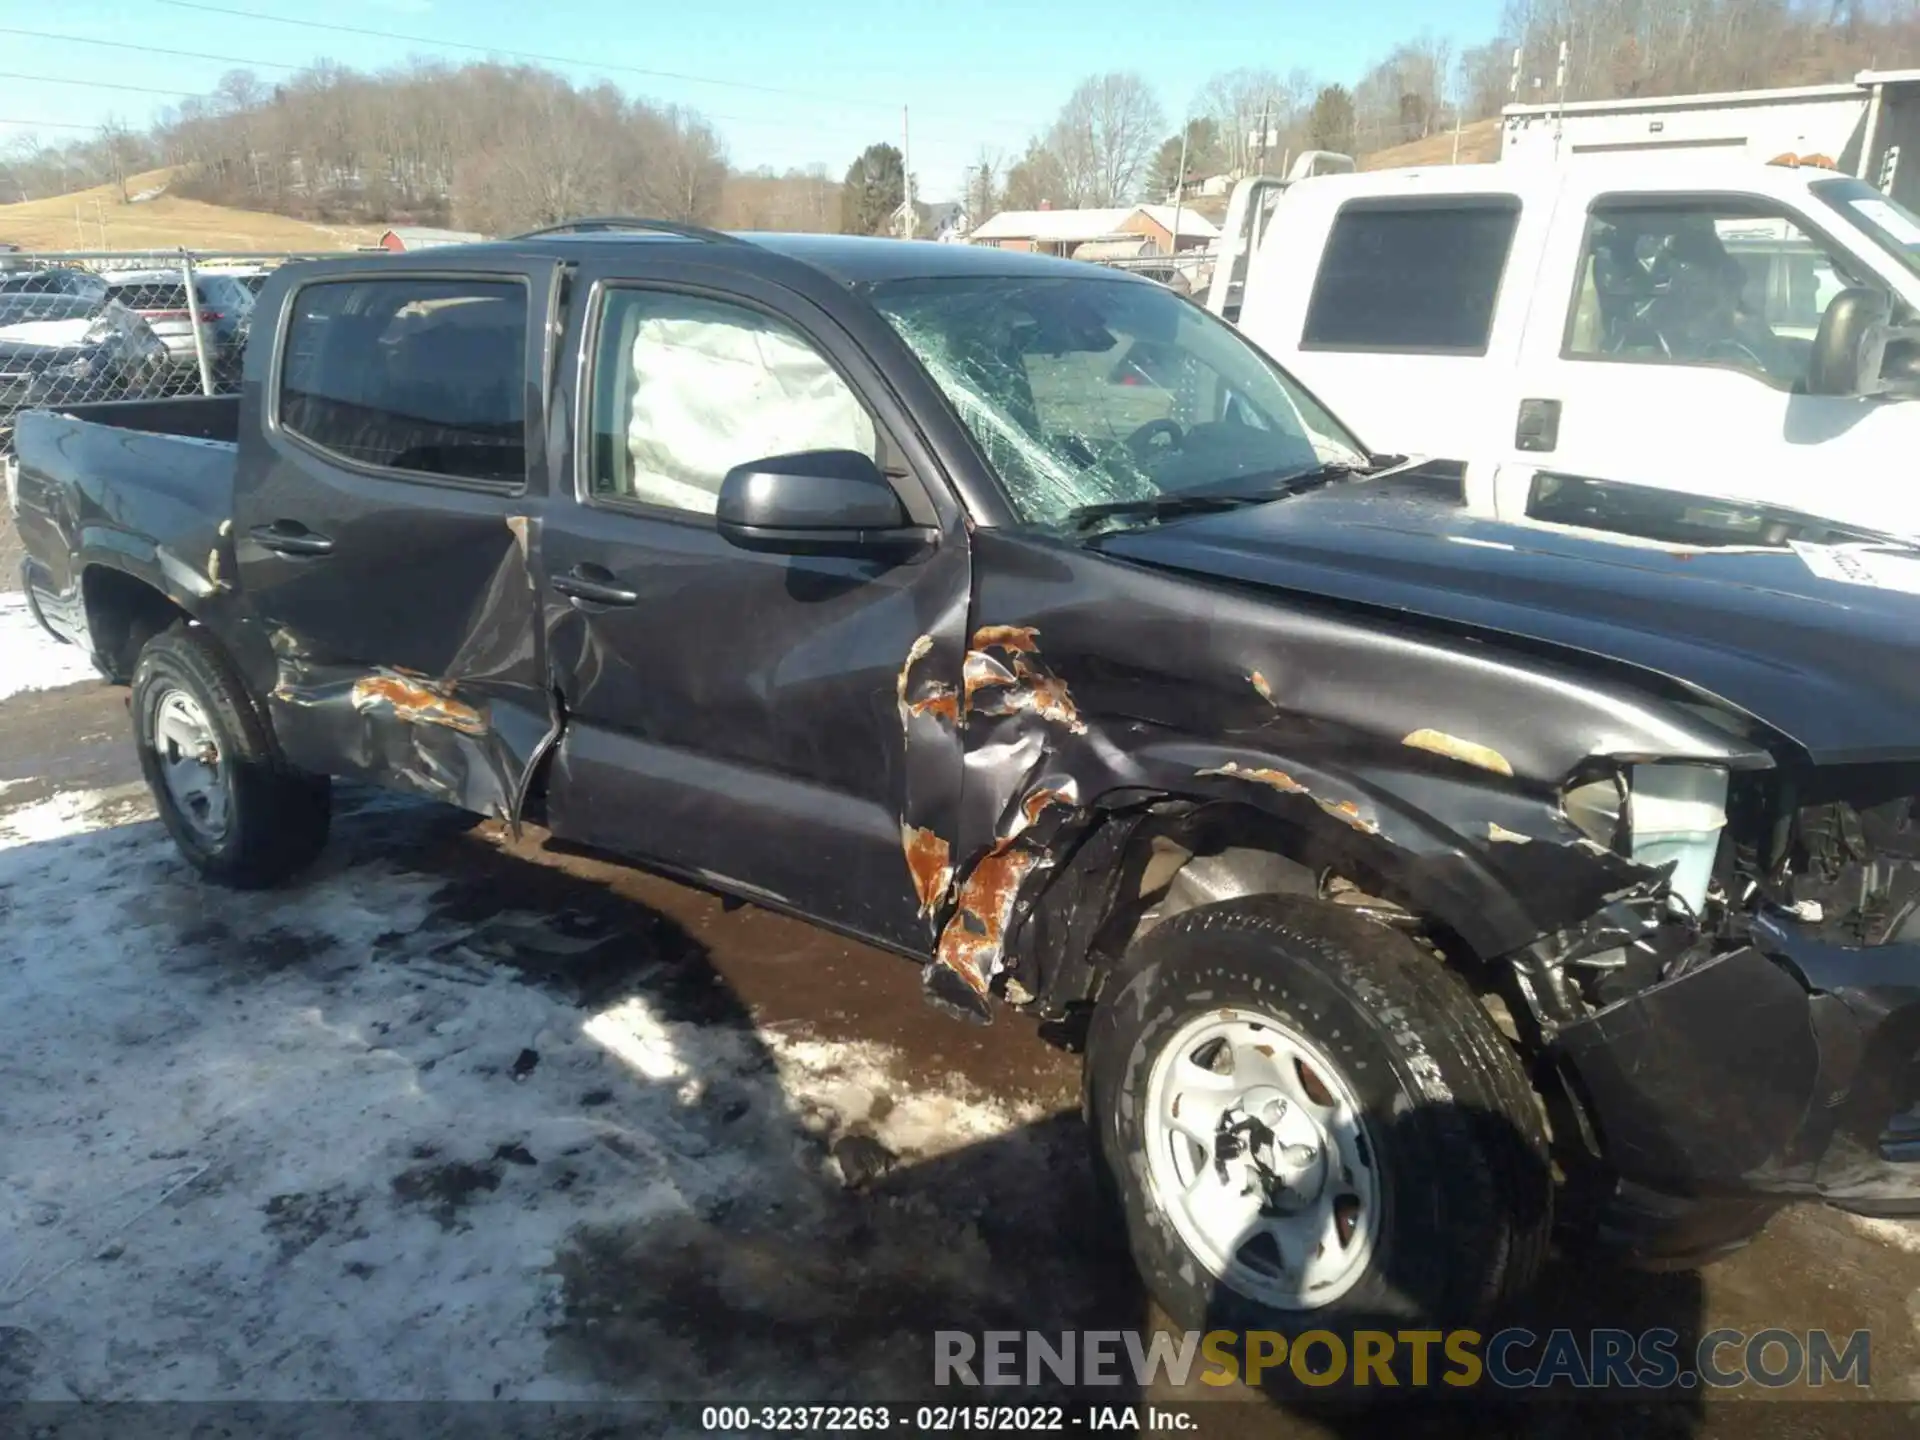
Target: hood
(1830,664)
(47,334)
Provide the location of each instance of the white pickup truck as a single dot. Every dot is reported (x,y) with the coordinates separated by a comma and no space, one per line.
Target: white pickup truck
(1693,326)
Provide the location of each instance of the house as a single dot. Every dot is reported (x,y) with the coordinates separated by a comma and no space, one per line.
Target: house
(945,220)
(421,237)
(1143,229)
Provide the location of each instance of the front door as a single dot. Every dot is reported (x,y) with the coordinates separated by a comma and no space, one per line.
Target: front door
(739,717)
(381,530)
(1680,362)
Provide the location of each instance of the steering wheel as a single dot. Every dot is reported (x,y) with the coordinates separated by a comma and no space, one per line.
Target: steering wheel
(1141,440)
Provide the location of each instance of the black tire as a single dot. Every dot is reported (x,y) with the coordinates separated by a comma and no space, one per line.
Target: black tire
(1458,1136)
(277,817)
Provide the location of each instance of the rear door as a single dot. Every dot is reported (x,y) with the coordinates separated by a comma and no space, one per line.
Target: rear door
(382,524)
(738,717)
(1397,310)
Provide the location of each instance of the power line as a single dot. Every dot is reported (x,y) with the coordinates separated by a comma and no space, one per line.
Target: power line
(47,124)
(93,84)
(147,49)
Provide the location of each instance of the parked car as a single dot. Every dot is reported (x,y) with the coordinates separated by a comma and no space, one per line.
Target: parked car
(53,280)
(58,349)
(160,298)
(1021,618)
(1718,328)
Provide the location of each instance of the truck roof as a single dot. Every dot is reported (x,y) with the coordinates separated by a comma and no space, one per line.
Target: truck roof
(848,259)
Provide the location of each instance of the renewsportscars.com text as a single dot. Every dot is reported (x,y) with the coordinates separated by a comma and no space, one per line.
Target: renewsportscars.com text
(1511,1359)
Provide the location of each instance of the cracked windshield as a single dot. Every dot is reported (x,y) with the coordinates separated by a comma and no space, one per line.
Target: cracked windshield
(1088,393)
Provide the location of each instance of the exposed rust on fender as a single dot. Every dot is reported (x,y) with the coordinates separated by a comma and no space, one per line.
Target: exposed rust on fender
(1348,813)
(981,671)
(1277,779)
(1040,692)
(1028,685)
(975,935)
(1500,835)
(417,701)
(942,701)
(930,862)
(1263,687)
(1023,639)
(1467,752)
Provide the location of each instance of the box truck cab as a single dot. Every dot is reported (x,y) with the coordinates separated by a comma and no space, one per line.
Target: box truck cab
(1724,329)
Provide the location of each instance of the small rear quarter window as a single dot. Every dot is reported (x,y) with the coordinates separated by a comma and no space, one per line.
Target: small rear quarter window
(1412,276)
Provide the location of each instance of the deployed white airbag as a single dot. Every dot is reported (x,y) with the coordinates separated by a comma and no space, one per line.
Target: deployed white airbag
(715,387)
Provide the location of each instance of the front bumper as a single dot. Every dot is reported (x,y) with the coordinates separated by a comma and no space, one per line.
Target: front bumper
(1783,1069)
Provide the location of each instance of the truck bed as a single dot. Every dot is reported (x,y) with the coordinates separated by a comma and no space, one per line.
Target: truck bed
(140,486)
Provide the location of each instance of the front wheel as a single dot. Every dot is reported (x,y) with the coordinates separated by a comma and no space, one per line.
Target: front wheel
(1308,1124)
(232,806)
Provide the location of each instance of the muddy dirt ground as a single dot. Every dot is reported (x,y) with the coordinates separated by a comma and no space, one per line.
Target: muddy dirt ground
(971,1206)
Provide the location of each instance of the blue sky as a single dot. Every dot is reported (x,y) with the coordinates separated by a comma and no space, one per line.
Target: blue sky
(971,72)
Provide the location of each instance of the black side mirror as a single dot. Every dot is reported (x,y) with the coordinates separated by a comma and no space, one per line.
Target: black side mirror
(818,502)
(1850,346)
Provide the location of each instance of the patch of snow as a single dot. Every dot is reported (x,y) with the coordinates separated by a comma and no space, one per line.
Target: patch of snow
(322,1142)
(70,812)
(1901,1234)
(31,659)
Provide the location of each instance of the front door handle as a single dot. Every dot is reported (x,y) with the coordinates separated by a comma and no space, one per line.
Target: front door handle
(594,583)
(290,537)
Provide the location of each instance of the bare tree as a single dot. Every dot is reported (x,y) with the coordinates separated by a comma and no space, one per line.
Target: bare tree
(1105,137)
(1037,180)
(1239,102)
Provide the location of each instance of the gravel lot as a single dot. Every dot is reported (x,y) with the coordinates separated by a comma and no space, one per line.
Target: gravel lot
(464,1116)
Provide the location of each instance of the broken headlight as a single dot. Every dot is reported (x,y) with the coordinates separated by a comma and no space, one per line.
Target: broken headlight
(1658,815)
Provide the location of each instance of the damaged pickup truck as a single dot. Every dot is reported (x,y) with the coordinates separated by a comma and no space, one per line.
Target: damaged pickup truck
(1408,876)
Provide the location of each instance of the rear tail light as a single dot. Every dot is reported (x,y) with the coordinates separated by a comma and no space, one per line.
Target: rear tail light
(208,317)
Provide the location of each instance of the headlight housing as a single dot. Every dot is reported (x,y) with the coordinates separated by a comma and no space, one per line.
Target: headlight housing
(1657,814)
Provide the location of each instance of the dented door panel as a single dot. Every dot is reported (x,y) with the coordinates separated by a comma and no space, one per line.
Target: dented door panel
(404,645)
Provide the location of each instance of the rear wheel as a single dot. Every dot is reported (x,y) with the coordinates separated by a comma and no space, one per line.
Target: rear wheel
(1309,1124)
(232,806)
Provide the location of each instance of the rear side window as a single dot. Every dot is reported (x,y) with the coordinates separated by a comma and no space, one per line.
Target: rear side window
(425,376)
(1417,277)
(151,296)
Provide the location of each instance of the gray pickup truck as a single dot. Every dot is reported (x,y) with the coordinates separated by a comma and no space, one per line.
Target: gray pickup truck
(1409,878)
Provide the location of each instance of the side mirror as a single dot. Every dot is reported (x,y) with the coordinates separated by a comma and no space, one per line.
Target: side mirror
(818,502)
(1850,346)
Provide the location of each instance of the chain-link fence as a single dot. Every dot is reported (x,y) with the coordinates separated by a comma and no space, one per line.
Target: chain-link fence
(84,326)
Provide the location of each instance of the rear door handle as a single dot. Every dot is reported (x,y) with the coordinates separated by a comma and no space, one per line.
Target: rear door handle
(594,583)
(290,537)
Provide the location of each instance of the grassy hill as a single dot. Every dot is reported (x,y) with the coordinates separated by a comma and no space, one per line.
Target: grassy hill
(1479,143)
(97,219)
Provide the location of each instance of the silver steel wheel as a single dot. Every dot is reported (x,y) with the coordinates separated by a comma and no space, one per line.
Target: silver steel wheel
(1258,1154)
(191,765)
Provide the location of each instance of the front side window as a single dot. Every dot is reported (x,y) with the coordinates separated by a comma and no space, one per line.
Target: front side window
(424,376)
(1712,282)
(1094,391)
(1411,276)
(687,388)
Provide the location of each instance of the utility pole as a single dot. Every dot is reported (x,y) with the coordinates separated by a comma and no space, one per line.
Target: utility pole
(906,175)
(1560,114)
(1179,188)
(1265,103)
